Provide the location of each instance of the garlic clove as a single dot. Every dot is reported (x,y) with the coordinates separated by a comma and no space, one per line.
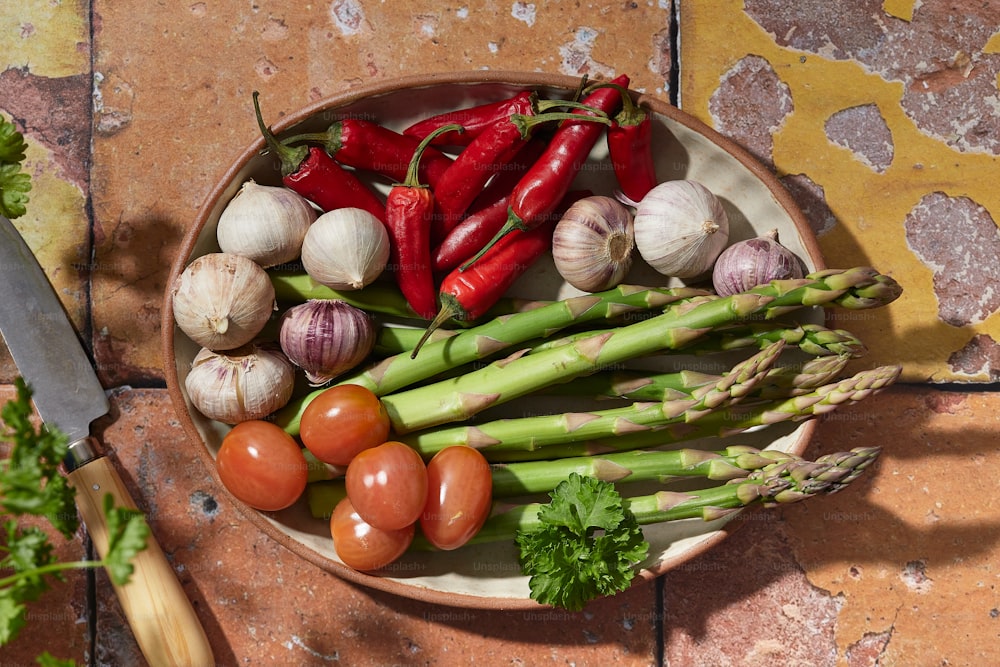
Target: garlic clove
(681,228)
(326,337)
(346,249)
(265,223)
(222,301)
(239,385)
(752,262)
(593,243)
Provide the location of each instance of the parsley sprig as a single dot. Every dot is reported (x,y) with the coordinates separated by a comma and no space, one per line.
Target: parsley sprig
(31,484)
(587,547)
(14,184)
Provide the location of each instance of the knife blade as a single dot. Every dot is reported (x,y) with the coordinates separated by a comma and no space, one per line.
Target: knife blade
(68,395)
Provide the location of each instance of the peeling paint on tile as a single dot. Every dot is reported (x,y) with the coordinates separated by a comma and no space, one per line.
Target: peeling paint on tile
(113,100)
(265,68)
(979,358)
(863,131)
(56,113)
(811,200)
(765,102)
(274,30)
(868,650)
(950,81)
(348,16)
(198,10)
(958,240)
(576,55)
(524,11)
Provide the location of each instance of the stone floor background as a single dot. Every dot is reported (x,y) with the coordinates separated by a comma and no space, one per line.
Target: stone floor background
(881,117)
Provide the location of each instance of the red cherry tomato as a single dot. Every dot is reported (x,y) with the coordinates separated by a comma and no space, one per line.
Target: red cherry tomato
(262,465)
(362,546)
(459,496)
(387,485)
(342,421)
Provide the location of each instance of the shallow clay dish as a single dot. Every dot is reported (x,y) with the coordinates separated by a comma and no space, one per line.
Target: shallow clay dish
(488,576)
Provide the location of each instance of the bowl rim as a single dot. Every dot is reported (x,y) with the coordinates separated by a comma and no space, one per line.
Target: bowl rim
(390,85)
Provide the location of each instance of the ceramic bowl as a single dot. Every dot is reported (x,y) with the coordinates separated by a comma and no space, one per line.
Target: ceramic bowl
(488,576)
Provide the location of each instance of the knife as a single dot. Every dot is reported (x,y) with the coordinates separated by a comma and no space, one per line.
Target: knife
(68,395)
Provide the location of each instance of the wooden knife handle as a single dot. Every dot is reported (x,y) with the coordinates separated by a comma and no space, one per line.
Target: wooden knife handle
(161,616)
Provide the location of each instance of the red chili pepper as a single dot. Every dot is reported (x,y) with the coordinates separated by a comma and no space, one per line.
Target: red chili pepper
(318,177)
(372,147)
(488,212)
(468,295)
(630,147)
(548,180)
(409,209)
(474,119)
(490,153)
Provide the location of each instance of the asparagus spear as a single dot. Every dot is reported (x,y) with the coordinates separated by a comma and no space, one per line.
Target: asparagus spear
(381,298)
(784,481)
(638,385)
(516,479)
(513,479)
(493,336)
(814,339)
(459,398)
(720,423)
(555,429)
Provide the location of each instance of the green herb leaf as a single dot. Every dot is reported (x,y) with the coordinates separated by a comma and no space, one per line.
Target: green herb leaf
(46,659)
(127,535)
(14,185)
(587,547)
(30,481)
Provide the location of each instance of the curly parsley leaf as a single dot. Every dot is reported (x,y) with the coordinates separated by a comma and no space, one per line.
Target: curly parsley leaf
(127,535)
(30,481)
(587,546)
(31,484)
(14,185)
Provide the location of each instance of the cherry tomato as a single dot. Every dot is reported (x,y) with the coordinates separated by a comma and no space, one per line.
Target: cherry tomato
(387,485)
(459,496)
(362,546)
(342,421)
(262,465)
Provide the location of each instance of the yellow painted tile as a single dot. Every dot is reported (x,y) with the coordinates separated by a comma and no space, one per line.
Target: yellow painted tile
(48,38)
(871,207)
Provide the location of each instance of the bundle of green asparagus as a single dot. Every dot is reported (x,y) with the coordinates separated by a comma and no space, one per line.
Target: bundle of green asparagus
(589,461)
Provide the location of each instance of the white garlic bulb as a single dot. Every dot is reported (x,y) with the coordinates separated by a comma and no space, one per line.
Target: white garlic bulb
(266,223)
(247,383)
(680,228)
(345,249)
(222,301)
(593,242)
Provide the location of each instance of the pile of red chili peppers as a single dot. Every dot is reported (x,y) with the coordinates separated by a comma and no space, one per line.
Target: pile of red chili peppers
(463,228)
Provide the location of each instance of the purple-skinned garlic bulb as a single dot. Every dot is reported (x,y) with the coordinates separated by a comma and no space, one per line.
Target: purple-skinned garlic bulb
(752,262)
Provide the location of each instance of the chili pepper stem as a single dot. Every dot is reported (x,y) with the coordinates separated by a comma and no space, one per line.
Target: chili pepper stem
(290,157)
(448,310)
(513,223)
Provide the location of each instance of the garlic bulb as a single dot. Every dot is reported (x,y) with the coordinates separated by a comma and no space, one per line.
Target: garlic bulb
(326,337)
(680,228)
(747,264)
(247,383)
(222,301)
(265,223)
(593,242)
(345,249)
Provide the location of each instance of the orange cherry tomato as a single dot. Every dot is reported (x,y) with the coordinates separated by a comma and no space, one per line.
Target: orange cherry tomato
(459,496)
(387,485)
(362,546)
(262,465)
(342,421)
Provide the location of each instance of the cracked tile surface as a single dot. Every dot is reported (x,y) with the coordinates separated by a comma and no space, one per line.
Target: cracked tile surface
(881,124)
